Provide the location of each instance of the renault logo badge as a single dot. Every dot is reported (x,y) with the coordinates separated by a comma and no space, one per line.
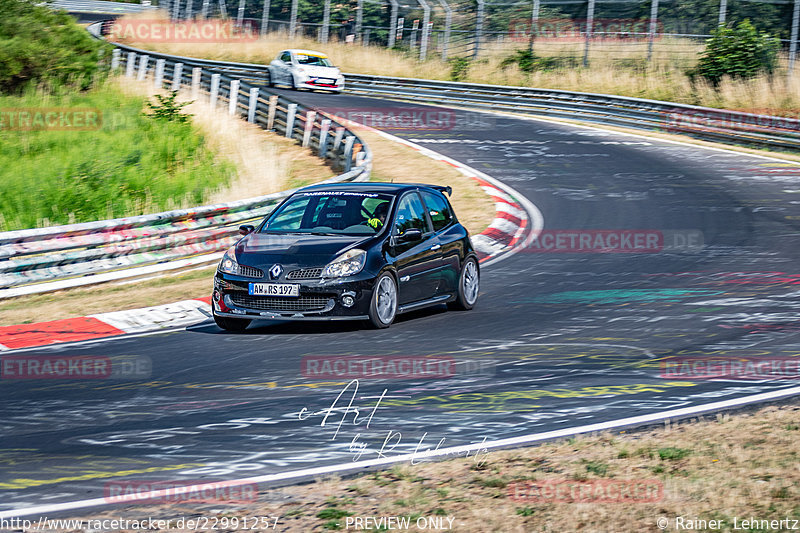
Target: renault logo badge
(275,272)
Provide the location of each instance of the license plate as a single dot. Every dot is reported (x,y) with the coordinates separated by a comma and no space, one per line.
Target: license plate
(274,289)
(326,80)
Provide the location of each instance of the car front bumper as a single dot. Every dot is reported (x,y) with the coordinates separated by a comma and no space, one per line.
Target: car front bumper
(313,84)
(319,299)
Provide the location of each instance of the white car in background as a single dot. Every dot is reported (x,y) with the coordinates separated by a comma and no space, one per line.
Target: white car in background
(305,69)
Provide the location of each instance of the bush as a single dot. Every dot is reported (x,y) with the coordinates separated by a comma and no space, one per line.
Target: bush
(168,109)
(39,46)
(459,68)
(740,52)
(528,62)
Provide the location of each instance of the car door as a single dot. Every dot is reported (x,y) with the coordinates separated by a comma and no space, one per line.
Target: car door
(417,263)
(449,236)
(283,67)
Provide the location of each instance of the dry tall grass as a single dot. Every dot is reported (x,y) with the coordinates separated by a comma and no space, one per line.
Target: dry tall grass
(614,68)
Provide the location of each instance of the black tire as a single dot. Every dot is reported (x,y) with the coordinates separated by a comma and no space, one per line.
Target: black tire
(468,286)
(383,304)
(294,84)
(232,324)
(269,79)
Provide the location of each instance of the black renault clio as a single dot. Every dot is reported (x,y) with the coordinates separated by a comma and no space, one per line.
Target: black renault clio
(348,251)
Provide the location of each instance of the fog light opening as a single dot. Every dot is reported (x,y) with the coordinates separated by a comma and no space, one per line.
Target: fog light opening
(348,299)
(216,296)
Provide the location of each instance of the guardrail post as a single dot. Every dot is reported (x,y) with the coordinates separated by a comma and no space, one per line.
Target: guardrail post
(115,53)
(310,117)
(337,140)
(323,137)
(204,9)
(158,79)
(273,107)
(143,61)
(348,152)
(130,64)
(290,112)
(252,104)
(197,75)
(214,90)
(233,97)
(177,76)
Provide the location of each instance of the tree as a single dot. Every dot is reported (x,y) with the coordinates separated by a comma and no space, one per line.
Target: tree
(740,52)
(39,46)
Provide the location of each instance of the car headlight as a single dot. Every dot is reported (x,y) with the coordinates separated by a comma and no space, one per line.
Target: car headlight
(349,263)
(228,264)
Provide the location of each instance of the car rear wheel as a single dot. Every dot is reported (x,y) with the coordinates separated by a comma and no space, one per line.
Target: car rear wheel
(383,305)
(232,324)
(468,286)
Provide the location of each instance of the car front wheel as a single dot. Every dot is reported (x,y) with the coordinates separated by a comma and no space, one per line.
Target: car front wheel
(232,324)
(468,286)
(383,305)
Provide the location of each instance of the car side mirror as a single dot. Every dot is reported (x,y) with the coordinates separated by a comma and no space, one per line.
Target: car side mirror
(410,235)
(246,229)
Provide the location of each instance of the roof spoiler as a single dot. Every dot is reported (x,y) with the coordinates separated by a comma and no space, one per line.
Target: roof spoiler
(443,188)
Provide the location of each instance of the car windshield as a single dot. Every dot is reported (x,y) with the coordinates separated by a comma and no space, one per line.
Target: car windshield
(330,213)
(316,61)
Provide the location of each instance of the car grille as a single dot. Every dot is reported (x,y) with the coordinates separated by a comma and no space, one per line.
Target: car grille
(268,303)
(250,272)
(305,273)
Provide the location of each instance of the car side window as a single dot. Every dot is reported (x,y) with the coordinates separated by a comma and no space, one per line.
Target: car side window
(286,57)
(438,209)
(410,214)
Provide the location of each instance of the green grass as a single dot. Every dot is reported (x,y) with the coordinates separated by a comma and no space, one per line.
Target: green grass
(129,165)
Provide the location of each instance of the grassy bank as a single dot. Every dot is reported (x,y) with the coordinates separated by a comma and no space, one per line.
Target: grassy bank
(722,468)
(119,165)
(614,68)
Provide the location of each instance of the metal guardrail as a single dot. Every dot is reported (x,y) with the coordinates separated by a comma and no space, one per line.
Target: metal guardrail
(47,259)
(716,125)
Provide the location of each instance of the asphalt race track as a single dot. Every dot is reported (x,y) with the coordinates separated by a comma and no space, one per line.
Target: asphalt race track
(558,339)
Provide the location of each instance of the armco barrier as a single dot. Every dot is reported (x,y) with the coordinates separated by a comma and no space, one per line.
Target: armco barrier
(717,125)
(47,259)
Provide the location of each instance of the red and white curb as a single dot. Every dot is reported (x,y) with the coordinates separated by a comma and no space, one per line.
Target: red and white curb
(168,316)
(516,224)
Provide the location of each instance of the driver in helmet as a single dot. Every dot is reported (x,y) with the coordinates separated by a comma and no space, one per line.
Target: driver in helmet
(379,216)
